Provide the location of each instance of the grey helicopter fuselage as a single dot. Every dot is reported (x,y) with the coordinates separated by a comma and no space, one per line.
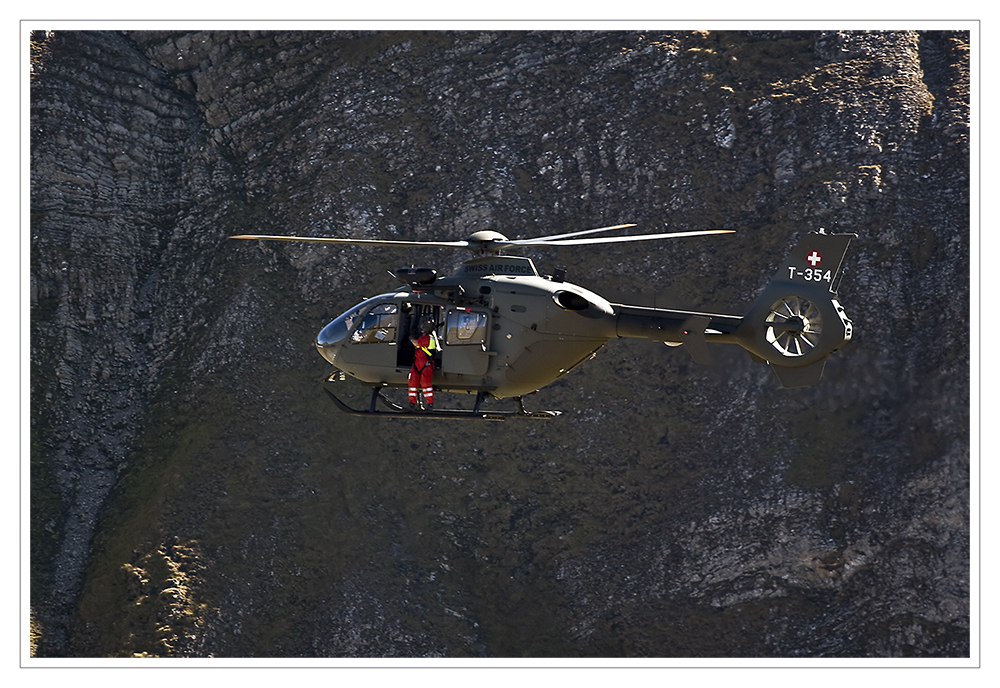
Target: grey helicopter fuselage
(502,328)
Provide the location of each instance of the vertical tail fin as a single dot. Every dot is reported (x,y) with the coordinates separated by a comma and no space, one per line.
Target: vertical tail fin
(815,260)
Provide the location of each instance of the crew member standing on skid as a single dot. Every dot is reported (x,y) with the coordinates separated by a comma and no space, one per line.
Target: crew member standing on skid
(423,367)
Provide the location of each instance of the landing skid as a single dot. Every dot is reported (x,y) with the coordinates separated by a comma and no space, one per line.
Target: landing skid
(397,411)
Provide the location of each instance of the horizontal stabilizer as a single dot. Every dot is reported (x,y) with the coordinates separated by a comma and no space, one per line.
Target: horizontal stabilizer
(800,377)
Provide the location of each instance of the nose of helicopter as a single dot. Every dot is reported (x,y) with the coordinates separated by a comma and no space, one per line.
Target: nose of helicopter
(330,338)
(327,352)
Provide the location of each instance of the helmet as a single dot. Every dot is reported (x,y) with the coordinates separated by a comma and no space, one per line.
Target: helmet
(427,327)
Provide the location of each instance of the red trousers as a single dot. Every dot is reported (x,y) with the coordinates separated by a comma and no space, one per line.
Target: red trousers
(420,381)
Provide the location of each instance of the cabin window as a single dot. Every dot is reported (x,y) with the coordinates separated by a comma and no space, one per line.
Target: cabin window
(379,326)
(465,328)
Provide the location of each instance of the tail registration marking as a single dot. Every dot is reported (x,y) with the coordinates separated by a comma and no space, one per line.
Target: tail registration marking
(810,274)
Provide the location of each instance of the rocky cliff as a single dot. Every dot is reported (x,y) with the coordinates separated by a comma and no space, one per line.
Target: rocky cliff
(194,494)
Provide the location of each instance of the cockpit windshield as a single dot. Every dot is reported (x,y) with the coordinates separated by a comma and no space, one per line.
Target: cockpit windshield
(342,326)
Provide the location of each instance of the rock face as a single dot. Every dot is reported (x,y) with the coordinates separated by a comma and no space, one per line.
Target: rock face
(194,495)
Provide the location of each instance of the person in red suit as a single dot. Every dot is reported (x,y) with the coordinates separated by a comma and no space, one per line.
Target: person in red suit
(422,371)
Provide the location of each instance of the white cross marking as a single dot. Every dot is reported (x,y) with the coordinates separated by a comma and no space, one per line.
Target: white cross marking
(814,258)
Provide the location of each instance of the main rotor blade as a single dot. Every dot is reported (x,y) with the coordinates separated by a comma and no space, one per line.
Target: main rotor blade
(570,234)
(615,240)
(363,242)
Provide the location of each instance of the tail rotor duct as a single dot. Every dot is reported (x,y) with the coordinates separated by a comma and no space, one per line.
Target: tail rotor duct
(794,326)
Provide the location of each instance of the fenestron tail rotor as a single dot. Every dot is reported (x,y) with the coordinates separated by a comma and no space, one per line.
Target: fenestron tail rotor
(794,326)
(796,321)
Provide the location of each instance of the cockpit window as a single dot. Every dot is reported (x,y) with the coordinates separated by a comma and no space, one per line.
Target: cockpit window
(337,330)
(465,328)
(378,326)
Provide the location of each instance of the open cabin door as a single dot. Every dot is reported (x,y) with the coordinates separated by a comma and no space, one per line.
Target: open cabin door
(466,341)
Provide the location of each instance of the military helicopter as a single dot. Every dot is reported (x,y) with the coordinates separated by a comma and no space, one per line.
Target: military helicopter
(505,330)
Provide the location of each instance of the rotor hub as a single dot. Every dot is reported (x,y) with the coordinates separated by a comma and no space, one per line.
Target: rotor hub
(484,242)
(797,324)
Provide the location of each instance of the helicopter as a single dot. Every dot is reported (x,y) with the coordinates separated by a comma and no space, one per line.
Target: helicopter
(504,330)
